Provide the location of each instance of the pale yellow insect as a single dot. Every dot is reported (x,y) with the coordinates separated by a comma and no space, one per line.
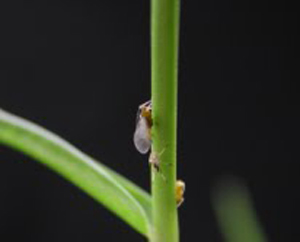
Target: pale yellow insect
(154,159)
(179,192)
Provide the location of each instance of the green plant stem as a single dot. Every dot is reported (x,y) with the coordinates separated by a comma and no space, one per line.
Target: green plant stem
(164,62)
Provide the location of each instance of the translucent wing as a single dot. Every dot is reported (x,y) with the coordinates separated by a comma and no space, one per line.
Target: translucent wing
(141,137)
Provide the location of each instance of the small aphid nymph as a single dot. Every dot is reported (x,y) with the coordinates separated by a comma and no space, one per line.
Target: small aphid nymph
(142,134)
(179,192)
(154,160)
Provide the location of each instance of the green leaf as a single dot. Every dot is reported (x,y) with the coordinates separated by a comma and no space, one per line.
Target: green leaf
(235,212)
(114,191)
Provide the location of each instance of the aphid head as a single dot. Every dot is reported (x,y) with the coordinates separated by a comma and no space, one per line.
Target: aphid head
(145,111)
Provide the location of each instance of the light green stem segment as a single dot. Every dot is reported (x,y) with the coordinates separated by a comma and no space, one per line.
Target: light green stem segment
(164,62)
(114,191)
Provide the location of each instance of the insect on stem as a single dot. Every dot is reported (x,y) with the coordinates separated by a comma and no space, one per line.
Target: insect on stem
(154,159)
(142,134)
(179,192)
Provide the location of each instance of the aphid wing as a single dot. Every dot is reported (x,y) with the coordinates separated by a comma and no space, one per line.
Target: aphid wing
(141,136)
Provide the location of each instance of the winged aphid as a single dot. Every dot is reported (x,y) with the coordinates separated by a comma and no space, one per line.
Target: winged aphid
(142,133)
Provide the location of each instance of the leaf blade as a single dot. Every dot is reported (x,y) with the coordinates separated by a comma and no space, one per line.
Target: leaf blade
(115,192)
(235,211)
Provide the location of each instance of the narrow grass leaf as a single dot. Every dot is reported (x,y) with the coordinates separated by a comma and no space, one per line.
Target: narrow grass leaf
(235,212)
(106,186)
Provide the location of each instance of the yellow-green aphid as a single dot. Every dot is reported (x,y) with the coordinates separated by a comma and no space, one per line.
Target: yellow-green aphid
(179,192)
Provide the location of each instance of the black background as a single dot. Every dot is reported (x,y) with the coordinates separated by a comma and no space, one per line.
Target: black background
(81,68)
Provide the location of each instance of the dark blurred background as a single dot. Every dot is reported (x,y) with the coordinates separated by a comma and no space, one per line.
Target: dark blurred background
(80,68)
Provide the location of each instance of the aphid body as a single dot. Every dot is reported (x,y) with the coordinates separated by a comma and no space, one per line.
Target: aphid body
(142,134)
(179,192)
(154,160)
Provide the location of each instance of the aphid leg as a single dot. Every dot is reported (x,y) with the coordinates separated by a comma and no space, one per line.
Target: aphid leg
(179,192)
